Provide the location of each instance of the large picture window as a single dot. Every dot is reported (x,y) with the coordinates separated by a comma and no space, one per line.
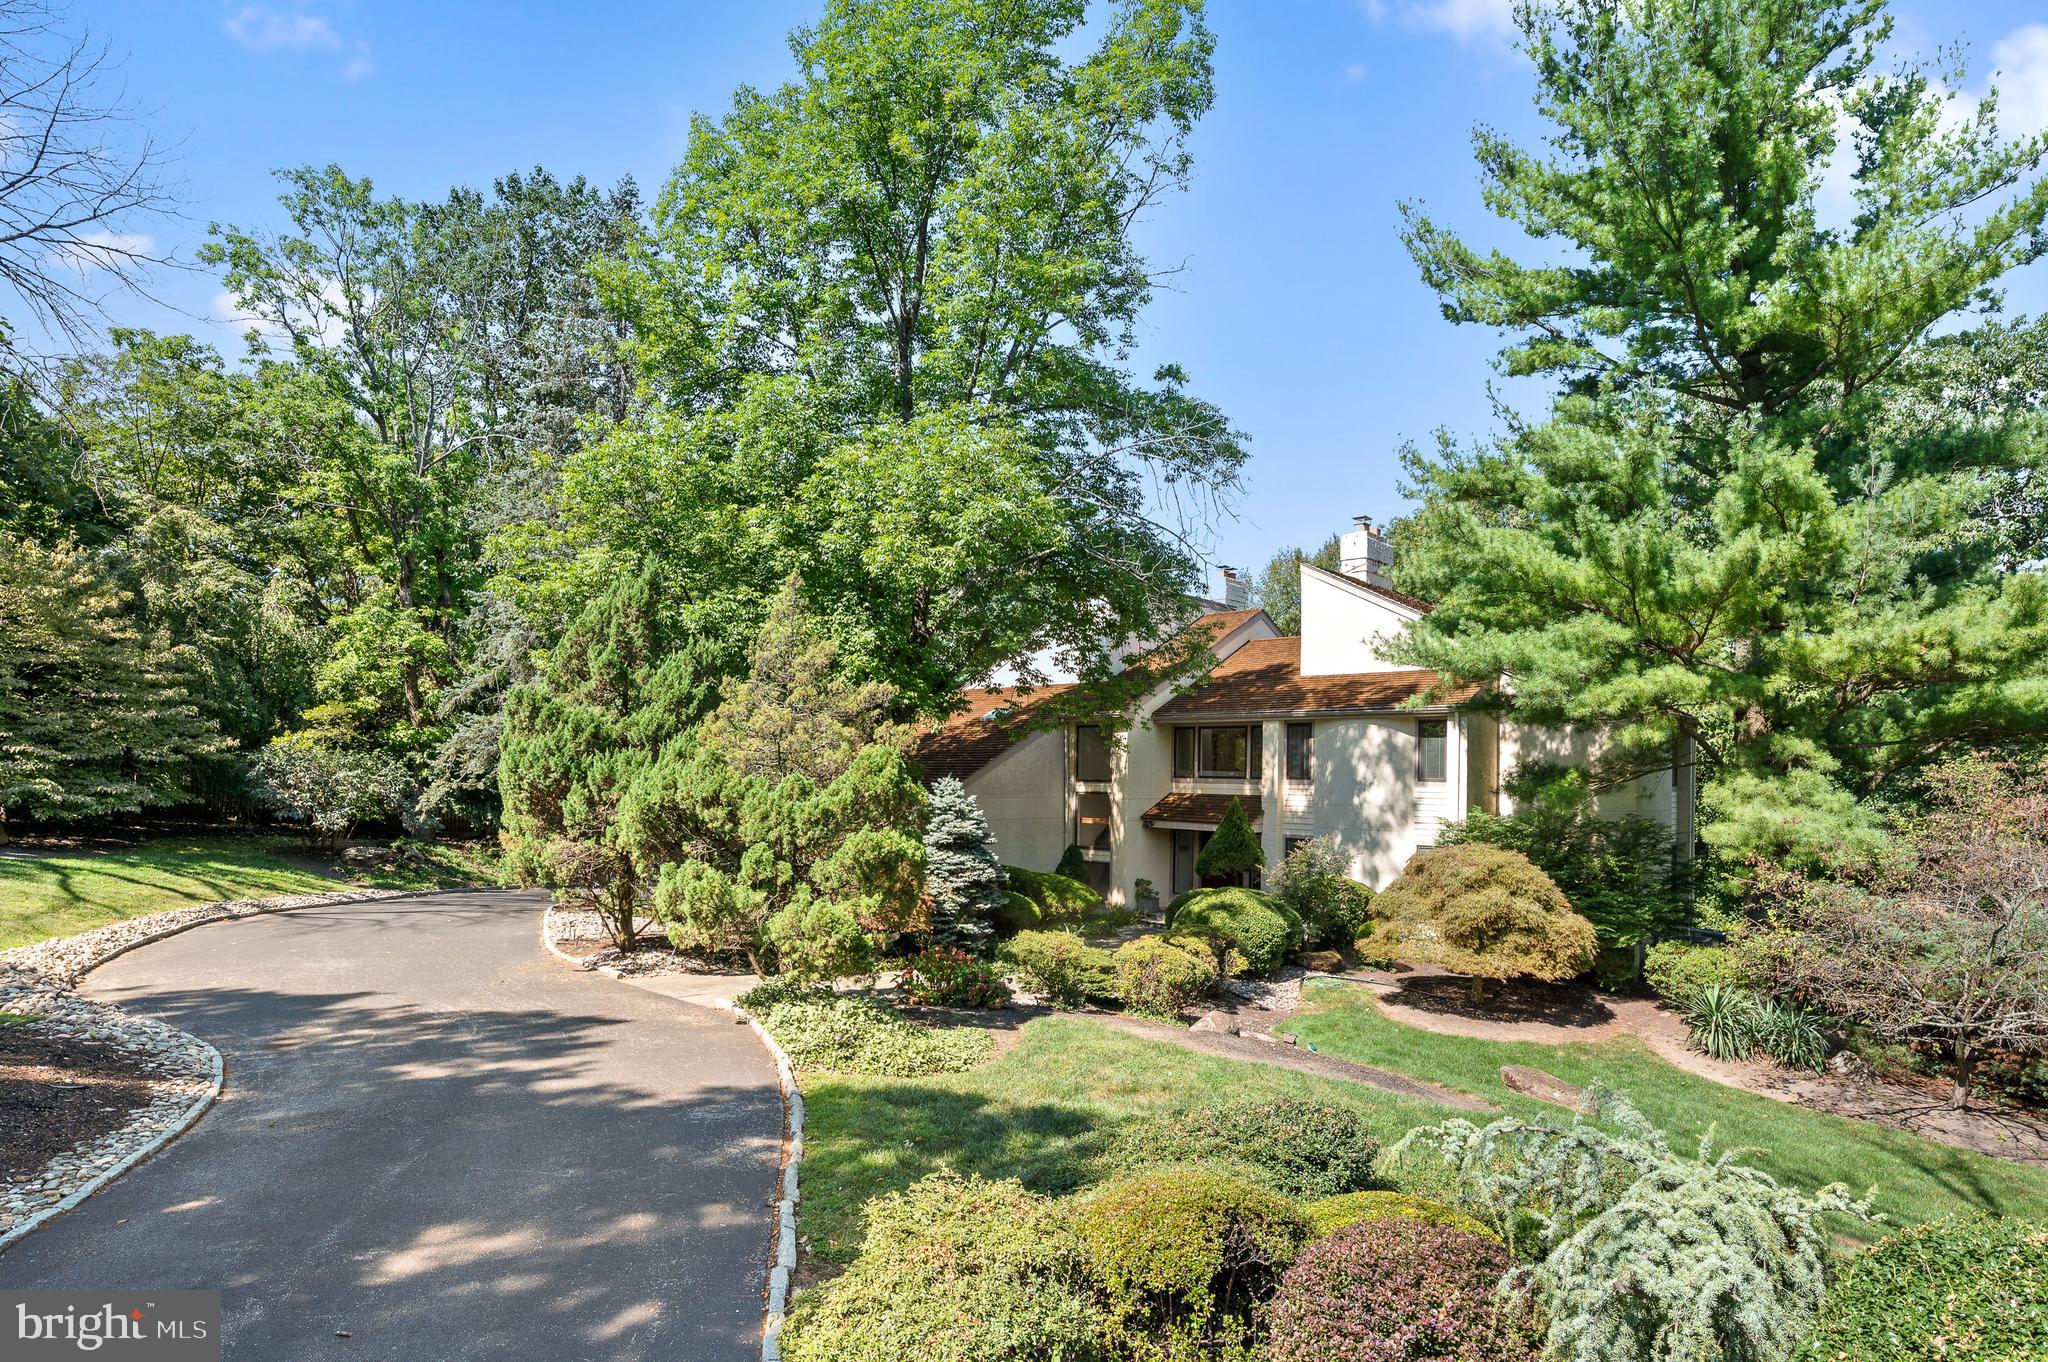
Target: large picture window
(1300,752)
(1091,754)
(1228,753)
(1432,738)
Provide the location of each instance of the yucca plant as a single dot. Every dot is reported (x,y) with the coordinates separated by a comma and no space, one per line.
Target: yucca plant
(1791,1035)
(1724,1021)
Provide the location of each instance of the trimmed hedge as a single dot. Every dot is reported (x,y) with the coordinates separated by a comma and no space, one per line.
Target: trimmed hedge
(1157,976)
(1015,914)
(1185,1256)
(1333,1213)
(1061,900)
(1957,1290)
(1386,1290)
(953,1270)
(1297,1146)
(1256,926)
(1061,967)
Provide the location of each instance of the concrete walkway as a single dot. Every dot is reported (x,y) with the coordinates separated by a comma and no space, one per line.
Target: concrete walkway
(439,1143)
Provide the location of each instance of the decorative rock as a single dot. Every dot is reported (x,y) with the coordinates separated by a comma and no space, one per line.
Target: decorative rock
(1852,1066)
(1542,1086)
(1216,1021)
(1287,1038)
(1321,962)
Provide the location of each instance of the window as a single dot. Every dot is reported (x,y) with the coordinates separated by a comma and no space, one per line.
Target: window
(1293,844)
(1091,821)
(1224,751)
(1184,751)
(1431,740)
(1091,755)
(1300,744)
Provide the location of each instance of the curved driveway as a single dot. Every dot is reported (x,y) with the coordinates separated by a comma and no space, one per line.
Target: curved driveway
(437,1143)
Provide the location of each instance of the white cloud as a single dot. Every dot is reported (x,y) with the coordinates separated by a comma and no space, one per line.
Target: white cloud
(1355,72)
(326,327)
(1490,22)
(99,249)
(2021,61)
(268,30)
(358,65)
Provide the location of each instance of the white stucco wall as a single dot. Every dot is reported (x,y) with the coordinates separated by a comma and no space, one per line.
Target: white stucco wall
(1343,625)
(1023,794)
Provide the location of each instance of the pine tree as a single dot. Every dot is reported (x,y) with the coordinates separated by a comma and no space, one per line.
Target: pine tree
(1234,850)
(962,874)
(96,716)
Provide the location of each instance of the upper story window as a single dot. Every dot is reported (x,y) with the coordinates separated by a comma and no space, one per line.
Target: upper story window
(1227,752)
(1184,751)
(1432,741)
(1091,754)
(1301,752)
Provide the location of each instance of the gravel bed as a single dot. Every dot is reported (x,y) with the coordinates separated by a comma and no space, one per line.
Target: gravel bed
(183,1071)
(1281,993)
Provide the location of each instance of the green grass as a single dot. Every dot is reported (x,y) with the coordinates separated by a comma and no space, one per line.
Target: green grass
(58,895)
(1916,1179)
(1042,1113)
(15,1019)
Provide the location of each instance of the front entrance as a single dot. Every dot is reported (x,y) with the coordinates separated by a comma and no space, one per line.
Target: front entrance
(1187,849)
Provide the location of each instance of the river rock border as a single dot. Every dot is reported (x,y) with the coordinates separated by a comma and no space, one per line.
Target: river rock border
(37,981)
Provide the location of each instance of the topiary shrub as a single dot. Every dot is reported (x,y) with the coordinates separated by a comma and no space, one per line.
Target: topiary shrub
(1394,1289)
(1061,900)
(827,1032)
(953,1270)
(1183,1257)
(1158,976)
(1298,1146)
(1060,967)
(1073,864)
(1257,927)
(1638,1252)
(1967,1290)
(1333,1213)
(1233,850)
(1335,909)
(946,976)
(1481,911)
(1015,914)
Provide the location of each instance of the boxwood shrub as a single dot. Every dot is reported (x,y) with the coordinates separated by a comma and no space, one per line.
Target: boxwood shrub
(953,1270)
(1333,1213)
(1183,1257)
(1958,1290)
(1015,914)
(1061,901)
(1060,967)
(1258,927)
(1297,1146)
(1392,1289)
(1157,976)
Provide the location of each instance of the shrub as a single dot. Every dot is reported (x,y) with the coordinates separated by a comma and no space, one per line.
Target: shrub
(1183,1257)
(1333,1213)
(1298,1146)
(1791,1035)
(953,1270)
(1392,1289)
(1484,912)
(837,1034)
(1234,849)
(1335,910)
(1015,914)
(1157,976)
(1723,1020)
(1061,967)
(1061,900)
(946,976)
(1257,927)
(963,879)
(328,790)
(1677,971)
(1965,1289)
(1073,864)
(1719,1260)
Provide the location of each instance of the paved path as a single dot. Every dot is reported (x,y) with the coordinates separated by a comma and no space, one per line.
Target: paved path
(444,1143)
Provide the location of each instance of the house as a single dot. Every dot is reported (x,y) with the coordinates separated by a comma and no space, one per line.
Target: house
(1316,735)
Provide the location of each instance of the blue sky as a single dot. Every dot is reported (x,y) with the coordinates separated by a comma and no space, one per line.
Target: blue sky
(1296,309)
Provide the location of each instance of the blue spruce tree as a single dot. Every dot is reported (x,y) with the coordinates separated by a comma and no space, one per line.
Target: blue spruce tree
(962,875)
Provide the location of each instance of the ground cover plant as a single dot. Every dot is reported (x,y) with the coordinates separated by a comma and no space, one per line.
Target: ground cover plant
(1915,1179)
(840,1033)
(1964,1289)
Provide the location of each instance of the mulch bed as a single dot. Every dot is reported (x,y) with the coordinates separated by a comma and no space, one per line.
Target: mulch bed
(56,1091)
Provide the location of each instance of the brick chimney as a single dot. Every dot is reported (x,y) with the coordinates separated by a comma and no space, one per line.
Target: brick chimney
(1237,593)
(1366,554)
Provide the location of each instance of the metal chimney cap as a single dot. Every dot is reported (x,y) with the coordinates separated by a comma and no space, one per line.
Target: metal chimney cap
(1364,522)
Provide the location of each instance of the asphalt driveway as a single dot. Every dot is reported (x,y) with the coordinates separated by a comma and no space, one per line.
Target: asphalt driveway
(436,1143)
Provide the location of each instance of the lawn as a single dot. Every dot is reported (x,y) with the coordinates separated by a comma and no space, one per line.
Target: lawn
(60,894)
(1915,1179)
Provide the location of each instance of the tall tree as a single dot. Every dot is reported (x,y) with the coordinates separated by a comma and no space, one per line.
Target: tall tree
(883,321)
(963,878)
(1733,537)
(1277,589)
(96,715)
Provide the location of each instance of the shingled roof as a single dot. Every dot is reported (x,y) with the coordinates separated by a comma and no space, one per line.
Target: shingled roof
(995,719)
(1264,677)
(1402,597)
(1205,809)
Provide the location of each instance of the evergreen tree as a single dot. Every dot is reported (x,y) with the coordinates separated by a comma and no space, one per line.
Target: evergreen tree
(962,875)
(1234,850)
(1761,526)
(1277,591)
(96,715)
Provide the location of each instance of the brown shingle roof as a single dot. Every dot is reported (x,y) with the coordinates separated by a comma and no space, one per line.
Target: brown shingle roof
(1201,808)
(993,721)
(1412,602)
(1264,677)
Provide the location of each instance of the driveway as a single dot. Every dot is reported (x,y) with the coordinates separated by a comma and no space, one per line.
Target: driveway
(437,1142)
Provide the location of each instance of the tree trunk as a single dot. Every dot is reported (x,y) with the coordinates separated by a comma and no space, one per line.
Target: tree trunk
(1964,1069)
(1478,988)
(4,838)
